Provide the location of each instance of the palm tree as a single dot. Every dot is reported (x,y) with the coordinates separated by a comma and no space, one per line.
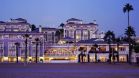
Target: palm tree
(118,42)
(26,42)
(96,46)
(80,56)
(33,27)
(58,34)
(130,32)
(62,25)
(62,30)
(37,43)
(127,8)
(109,38)
(17,49)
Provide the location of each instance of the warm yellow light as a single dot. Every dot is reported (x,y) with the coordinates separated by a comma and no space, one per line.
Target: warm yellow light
(54,50)
(77,37)
(50,58)
(19,58)
(116,49)
(66,58)
(61,42)
(41,58)
(14,59)
(5,58)
(29,58)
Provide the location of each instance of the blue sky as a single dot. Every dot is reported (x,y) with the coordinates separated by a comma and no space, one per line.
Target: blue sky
(50,13)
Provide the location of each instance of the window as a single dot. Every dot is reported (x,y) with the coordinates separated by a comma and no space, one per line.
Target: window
(11,49)
(1,49)
(6,36)
(2,27)
(23,49)
(34,49)
(78,34)
(122,48)
(8,29)
(102,48)
(71,33)
(113,48)
(15,30)
(53,36)
(85,34)
(49,37)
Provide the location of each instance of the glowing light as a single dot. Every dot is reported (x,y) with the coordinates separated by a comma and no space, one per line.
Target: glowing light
(5,58)
(19,58)
(77,37)
(41,58)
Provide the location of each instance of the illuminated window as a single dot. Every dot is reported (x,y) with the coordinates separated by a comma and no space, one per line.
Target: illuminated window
(102,48)
(78,34)
(122,48)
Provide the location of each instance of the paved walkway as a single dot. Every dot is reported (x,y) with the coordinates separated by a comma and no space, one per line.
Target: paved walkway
(72,70)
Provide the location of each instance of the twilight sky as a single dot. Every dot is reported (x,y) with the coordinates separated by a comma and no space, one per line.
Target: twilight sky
(50,13)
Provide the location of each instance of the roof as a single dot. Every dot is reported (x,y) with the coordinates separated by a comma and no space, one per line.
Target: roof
(93,41)
(2,22)
(20,19)
(12,23)
(97,41)
(77,24)
(73,19)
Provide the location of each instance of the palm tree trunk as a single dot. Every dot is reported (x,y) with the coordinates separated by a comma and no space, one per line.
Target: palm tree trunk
(96,56)
(79,60)
(130,51)
(117,52)
(88,58)
(128,19)
(16,54)
(110,53)
(36,52)
(26,51)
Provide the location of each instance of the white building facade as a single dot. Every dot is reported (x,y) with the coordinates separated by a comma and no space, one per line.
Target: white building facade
(49,51)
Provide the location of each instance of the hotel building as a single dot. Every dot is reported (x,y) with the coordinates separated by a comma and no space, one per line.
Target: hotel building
(76,34)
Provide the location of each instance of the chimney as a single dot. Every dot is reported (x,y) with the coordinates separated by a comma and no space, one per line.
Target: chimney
(40,28)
